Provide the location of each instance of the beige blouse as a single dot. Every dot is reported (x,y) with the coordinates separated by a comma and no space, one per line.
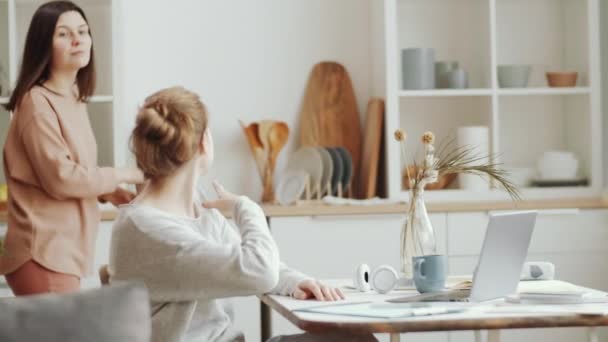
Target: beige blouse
(50,163)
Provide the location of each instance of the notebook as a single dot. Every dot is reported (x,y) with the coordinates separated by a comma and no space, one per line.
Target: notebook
(381,309)
(554,292)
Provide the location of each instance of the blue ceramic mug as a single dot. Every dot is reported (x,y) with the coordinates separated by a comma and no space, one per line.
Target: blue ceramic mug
(429,273)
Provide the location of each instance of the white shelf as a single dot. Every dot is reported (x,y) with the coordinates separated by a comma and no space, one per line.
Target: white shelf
(537,193)
(445,92)
(499,91)
(523,122)
(3,100)
(544,91)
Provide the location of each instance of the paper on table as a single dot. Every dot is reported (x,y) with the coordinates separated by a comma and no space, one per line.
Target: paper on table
(550,287)
(380,310)
(555,292)
(459,282)
(543,298)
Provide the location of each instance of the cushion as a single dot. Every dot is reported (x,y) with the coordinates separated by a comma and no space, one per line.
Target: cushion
(116,313)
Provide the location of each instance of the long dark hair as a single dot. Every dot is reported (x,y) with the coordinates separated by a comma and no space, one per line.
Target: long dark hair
(36,62)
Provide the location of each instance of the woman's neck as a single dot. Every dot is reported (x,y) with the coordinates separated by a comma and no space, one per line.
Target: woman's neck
(173,194)
(62,82)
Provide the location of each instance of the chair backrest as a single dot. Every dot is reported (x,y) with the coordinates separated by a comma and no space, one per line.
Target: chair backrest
(115,313)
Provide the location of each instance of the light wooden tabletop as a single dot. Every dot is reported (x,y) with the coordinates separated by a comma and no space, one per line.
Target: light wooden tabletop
(486,316)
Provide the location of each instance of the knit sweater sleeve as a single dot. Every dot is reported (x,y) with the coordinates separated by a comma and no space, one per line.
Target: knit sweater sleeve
(288,280)
(177,263)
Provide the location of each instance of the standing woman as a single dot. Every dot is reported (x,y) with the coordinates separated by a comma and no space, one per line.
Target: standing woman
(50,158)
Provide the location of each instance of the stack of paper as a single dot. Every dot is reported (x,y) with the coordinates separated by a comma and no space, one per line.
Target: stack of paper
(547,298)
(549,292)
(451,283)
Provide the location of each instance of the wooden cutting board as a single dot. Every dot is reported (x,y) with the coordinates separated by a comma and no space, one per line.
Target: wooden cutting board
(372,140)
(329,115)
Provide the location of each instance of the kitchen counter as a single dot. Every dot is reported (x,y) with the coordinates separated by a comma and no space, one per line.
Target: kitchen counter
(328,210)
(321,209)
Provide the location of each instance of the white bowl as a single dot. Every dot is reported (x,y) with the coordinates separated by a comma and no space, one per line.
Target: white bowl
(520,176)
(563,170)
(557,165)
(558,156)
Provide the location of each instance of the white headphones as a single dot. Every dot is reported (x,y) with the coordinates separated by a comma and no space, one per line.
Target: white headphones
(383,279)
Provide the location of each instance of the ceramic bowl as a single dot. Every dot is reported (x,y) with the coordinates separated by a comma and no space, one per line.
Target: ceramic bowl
(441,183)
(520,176)
(513,76)
(562,79)
(557,165)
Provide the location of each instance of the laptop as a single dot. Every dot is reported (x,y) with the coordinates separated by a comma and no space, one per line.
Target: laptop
(502,258)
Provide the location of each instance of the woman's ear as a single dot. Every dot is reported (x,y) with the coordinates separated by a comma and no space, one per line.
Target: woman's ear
(205,145)
(202,149)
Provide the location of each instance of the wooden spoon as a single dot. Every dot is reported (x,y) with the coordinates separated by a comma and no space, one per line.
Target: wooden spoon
(264,134)
(279,133)
(267,179)
(257,149)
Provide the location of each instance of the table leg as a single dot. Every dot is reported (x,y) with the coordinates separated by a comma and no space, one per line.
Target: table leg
(593,334)
(477,334)
(494,335)
(265,319)
(396,337)
(266,327)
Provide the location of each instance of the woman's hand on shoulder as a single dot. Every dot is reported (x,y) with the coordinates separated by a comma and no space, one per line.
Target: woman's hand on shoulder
(118,197)
(314,289)
(226,200)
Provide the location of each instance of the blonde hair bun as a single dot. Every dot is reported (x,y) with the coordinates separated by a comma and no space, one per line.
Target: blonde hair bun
(168,128)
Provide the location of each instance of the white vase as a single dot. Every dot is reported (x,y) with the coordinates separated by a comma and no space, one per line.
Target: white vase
(417,234)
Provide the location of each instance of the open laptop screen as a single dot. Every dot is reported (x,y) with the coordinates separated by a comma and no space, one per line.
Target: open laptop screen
(503,254)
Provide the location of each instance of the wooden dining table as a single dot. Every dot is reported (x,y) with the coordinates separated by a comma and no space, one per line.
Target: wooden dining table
(492,316)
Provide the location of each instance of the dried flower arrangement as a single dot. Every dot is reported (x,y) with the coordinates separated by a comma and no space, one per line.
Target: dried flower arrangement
(417,235)
(452,160)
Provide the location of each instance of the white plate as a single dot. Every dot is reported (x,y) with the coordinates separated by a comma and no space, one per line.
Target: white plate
(328,168)
(336,177)
(348,167)
(291,186)
(309,160)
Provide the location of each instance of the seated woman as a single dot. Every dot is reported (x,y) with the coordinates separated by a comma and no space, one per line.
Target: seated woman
(188,255)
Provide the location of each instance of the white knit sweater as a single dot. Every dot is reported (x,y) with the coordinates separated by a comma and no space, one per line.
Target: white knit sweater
(192,266)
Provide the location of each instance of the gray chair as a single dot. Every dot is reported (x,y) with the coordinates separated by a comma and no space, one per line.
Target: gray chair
(114,313)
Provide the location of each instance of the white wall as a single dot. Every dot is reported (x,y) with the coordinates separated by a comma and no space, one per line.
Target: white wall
(4,65)
(248,60)
(4,82)
(604,80)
